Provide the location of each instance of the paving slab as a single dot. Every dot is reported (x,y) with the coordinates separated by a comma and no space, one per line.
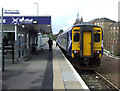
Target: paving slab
(35,73)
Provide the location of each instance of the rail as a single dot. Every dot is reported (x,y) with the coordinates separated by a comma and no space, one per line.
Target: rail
(112,85)
(7,48)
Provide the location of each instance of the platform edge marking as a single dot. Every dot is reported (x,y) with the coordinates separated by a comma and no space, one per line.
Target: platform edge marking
(85,87)
(57,73)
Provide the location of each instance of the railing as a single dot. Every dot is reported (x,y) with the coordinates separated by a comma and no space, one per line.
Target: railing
(7,48)
(106,52)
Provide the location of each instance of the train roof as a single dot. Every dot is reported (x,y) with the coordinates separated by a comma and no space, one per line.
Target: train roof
(85,24)
(80,25)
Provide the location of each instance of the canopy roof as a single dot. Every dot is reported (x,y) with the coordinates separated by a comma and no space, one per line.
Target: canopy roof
(40,23)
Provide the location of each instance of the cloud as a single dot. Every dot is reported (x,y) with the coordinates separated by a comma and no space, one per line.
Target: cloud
(71,20)
(64,12)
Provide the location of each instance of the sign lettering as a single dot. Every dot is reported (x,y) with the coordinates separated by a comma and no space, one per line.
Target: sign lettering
(4,21)
(22,20)
(26,20)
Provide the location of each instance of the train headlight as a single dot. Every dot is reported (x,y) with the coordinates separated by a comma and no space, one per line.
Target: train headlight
(75,51)
(97,51)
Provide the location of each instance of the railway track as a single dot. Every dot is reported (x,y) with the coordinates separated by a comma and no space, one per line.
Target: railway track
(107,81)
(94,80)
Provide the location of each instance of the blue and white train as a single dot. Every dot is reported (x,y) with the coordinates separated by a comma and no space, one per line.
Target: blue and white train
(84,42)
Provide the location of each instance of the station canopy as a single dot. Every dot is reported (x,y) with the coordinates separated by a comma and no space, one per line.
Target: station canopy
(37,23)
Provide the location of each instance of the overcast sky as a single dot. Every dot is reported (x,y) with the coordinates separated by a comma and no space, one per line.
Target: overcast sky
(64,12)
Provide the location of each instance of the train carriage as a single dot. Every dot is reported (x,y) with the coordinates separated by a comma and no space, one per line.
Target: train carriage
(83,41)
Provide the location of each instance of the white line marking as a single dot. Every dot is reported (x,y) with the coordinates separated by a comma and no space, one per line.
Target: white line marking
(85,87)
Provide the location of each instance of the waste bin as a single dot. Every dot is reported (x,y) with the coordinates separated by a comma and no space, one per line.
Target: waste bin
(33,48)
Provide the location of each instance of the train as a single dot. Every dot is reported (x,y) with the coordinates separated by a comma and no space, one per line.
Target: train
(83,43)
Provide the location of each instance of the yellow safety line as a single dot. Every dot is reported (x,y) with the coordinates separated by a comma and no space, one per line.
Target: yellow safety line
(57,75)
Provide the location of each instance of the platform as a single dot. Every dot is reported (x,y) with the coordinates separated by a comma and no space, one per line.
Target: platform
(43,70)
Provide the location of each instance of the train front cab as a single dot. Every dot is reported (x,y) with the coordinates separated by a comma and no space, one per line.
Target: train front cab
(87,43)
(76,42)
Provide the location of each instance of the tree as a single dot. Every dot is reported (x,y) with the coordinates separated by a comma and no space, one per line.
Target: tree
(61,31)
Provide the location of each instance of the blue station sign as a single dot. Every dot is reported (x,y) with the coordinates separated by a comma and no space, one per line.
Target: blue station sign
(11,12)
(42,20)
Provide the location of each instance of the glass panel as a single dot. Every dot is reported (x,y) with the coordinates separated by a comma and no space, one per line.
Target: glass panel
(76,37)
(76,30)
(97,37)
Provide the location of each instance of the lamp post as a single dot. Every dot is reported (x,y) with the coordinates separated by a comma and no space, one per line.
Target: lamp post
(37,8)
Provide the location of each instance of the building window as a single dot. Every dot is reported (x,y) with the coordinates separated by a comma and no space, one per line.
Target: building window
(117,28)
(111,28)
(98,23)
(114,28)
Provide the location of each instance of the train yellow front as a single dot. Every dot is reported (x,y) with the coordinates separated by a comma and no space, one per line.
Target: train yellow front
(83,42)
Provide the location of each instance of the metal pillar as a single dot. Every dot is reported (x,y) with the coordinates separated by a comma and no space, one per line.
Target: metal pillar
(2,41)
(16,32)
(16,44)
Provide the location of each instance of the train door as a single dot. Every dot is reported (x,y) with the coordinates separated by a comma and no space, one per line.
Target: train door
(87,43)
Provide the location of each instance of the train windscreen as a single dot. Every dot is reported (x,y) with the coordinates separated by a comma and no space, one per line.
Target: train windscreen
(76,37)
(97,37)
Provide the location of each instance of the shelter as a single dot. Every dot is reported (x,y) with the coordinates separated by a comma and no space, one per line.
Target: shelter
(22,32)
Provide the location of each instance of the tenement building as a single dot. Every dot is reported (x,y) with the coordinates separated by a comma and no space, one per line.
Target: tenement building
(110,33)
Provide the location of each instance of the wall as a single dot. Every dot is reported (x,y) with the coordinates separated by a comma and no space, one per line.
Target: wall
(24,41)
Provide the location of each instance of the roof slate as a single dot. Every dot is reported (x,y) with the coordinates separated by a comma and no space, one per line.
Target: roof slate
(115,24)
(101,20)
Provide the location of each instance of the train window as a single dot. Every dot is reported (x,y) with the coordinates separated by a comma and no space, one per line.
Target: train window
(76,37)
(98,30)
(76,30)
(97,37)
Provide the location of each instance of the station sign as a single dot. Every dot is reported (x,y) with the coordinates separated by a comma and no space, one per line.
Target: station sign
(11,12)
(20,20)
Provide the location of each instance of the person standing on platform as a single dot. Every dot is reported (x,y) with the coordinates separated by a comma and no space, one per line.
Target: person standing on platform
(56,42)
(50,42)
(5,41)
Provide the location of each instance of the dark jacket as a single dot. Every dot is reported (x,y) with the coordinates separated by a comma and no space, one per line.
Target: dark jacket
(5,42)
(50,42)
